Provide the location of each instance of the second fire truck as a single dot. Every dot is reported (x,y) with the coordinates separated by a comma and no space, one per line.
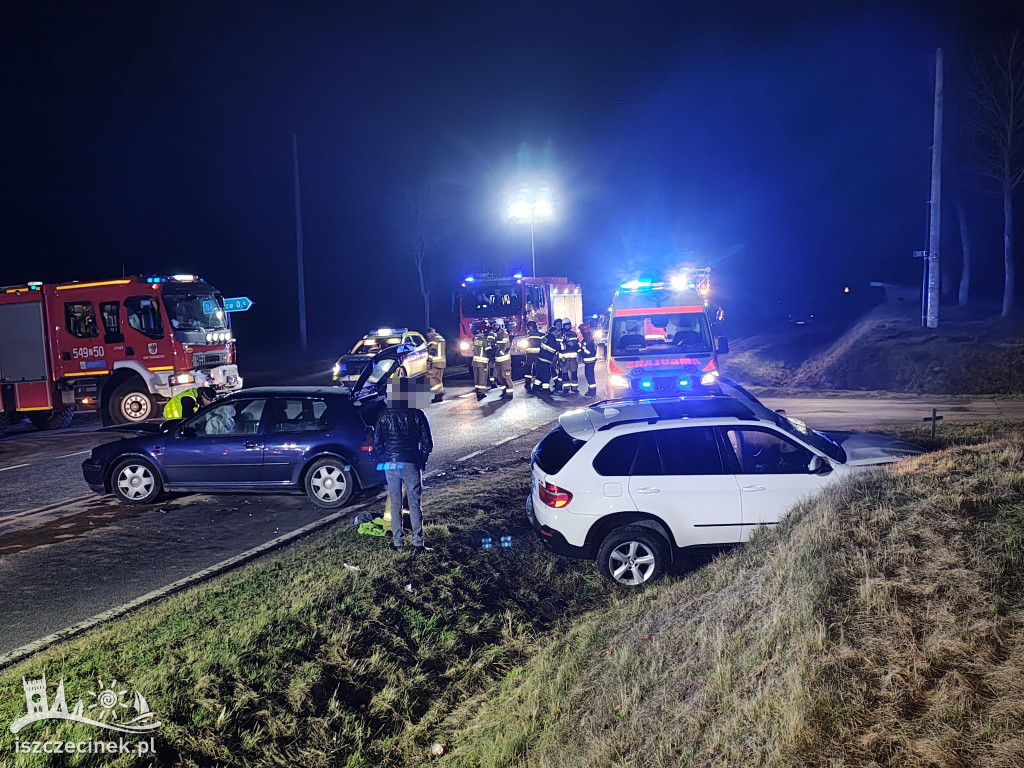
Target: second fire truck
(122,347)
(514,301)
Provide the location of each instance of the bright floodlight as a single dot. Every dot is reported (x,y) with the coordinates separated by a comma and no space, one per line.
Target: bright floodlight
(681,280)
(542,209)
(520,210)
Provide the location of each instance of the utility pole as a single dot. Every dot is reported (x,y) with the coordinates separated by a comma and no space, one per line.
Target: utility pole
(298,246)
(935,204)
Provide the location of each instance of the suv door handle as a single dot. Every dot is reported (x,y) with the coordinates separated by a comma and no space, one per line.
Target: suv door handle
(648,490)
(250,444)
(752,488)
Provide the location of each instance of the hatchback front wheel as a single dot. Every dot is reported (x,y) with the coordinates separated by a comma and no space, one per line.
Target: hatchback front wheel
(134,481)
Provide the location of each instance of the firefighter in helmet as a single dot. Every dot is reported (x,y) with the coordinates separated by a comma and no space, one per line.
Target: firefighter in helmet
(503,361)
(481,359)
(492,367)
(533,341)
(570,357)
(436,362)
(546,359)
(588,353)
(556,366)
(184,404)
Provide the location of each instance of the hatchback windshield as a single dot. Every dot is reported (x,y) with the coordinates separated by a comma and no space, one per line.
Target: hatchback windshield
(657,334)
(198,311)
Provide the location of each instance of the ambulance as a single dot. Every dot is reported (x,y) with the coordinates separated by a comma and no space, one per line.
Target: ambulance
(660,337)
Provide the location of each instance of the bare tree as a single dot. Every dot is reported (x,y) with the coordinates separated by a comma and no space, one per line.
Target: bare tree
(426,224)
(965,249)
(996,122)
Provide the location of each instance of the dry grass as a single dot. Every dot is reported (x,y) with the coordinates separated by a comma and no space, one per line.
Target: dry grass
(880,625)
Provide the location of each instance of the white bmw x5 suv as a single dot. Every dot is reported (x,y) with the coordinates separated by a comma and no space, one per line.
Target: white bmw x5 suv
(632,482)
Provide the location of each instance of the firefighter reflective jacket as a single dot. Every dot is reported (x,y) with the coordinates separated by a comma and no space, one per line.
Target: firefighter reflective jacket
(502,347)
(174,409)
(570,345)
(533,342)
(588,349)
(435,351)
(481,348)
(550,346)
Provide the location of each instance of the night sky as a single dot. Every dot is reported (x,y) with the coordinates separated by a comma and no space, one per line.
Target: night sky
(787,147)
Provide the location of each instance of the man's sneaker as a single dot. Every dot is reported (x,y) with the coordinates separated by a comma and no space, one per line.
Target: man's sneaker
(421,551)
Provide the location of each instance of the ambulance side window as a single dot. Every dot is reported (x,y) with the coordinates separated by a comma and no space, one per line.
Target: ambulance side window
(144,315)
(80,319)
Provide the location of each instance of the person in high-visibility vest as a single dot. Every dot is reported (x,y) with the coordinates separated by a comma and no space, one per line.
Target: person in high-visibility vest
(588,353)
(570,357)
(481,360)
(533,342)
(556,366)
(436,362)
(549,347)
(492,366)
(184,404)
(503,361)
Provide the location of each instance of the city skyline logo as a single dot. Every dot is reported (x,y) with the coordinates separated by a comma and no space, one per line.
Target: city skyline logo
(108,706)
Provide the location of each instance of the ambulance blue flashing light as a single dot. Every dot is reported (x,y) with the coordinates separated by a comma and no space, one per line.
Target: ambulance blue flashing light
(470,278)
(156,279)
(647,384)
(685,383)
(636,285)
(518,275)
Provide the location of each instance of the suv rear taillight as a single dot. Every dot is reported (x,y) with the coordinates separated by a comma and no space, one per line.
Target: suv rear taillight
(553,496)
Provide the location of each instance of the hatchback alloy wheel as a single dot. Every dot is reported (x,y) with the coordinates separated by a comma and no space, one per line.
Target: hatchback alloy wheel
(329,483)
(135,482)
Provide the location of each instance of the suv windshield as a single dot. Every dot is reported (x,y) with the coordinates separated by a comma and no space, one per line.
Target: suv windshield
(198,311)
(491,300)
(686,333)
(812,437)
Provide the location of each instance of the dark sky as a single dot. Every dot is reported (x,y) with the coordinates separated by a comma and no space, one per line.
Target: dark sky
(787,146)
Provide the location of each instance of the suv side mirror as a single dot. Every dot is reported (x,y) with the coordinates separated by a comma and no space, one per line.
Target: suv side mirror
(722,345)
(818,466)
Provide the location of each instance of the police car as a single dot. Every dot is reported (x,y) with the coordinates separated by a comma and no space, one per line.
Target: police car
(409,346)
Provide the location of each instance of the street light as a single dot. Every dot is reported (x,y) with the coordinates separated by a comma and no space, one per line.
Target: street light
(530,207)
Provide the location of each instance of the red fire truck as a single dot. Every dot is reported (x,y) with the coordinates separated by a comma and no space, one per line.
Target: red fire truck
(122,347)
(514,301)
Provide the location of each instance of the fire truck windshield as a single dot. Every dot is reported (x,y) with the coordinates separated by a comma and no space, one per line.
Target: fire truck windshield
(491,300)
(198,311)
(655,334)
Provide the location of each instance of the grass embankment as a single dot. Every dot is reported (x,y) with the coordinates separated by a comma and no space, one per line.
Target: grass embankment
(295,660)
(881,624)
(888,350)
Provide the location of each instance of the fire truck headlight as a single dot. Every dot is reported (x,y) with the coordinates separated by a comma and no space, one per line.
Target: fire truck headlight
(209,337)
(183,378)
(523,343)
(619,382)
(709,378)
(464,346)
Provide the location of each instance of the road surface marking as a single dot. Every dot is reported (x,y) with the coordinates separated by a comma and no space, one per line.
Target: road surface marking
(506,440)
(157,594)
(15,466)
(471,455)
(76,453)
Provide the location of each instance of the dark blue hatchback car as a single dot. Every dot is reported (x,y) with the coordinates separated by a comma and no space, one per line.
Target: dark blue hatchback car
(283,439)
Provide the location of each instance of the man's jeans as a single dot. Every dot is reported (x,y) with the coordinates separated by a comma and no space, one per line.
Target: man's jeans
(409,474)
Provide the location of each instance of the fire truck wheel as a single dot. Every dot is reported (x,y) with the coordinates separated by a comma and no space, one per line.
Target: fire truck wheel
(134,481)
(130,403)
(329,483)
(58,419)
(5,422)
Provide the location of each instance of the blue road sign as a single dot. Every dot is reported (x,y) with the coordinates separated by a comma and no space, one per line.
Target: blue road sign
(241,304)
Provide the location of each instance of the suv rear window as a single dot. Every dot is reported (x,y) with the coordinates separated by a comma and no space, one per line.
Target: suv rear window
(555,450)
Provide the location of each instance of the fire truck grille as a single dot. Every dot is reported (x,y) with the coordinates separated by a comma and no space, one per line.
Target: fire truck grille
(208,359)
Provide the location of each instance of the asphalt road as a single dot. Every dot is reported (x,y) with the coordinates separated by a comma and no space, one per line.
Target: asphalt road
(67,554)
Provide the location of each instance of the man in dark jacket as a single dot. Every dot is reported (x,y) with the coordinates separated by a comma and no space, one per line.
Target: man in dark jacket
(402,444)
